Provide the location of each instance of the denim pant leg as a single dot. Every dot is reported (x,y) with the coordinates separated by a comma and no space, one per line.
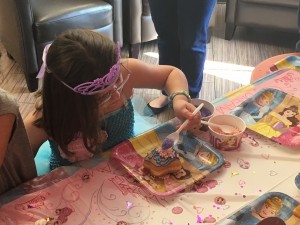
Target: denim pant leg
(182,34)
(192,34)
(164,16)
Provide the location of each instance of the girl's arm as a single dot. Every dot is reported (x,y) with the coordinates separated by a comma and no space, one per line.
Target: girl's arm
(6,127)
(37,136)
(161,77)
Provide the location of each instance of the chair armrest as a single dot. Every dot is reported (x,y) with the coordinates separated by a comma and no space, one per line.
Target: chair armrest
(118,20)
(230,13)
(16,21)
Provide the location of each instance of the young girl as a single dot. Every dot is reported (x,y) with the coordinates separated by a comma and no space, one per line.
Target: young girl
(16,157)
(86,97)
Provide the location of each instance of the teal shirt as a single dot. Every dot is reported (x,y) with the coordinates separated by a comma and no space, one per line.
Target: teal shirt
(118,125)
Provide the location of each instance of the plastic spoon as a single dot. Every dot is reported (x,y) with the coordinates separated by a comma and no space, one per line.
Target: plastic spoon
(227,129)
(175,135)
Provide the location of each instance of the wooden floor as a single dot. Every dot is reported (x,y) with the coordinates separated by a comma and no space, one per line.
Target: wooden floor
(228,65)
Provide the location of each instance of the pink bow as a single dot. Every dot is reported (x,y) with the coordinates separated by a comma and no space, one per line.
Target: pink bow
(43,67)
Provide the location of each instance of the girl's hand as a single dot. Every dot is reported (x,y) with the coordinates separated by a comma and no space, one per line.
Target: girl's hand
(184,110)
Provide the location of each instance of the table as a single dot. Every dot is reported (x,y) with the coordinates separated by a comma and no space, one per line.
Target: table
(263,68)
(100,191)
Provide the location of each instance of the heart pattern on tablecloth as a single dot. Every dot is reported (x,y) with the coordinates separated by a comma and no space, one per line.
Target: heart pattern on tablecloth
(265,156)
(198,209)
(273,173)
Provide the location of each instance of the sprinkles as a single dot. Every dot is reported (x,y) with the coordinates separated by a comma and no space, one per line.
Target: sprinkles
(219,200)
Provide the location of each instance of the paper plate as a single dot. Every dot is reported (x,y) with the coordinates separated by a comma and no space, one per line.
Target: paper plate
(198,160)
(271,208)
(273,114)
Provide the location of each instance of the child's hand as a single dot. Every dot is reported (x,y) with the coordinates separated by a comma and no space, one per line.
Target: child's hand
(184,110)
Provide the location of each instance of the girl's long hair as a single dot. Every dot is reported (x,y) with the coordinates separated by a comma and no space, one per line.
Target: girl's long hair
(75,56)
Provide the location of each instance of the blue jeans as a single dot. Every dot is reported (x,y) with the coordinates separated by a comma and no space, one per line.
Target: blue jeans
(182,35)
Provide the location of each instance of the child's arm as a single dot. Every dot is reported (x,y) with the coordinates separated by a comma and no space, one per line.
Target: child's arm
(6,127)
(37,136)
(161,77)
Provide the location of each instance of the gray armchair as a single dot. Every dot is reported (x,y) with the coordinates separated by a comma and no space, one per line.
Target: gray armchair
(271,14)
(26,26)
(138,26)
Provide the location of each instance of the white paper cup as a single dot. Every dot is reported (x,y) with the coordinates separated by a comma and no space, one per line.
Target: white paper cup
(226,142)
(207,110)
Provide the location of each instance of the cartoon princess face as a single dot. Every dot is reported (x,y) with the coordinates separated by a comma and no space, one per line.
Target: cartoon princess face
(289,113)
(182,174)
(270,207)
(229,143)
(267,211)
(263,101)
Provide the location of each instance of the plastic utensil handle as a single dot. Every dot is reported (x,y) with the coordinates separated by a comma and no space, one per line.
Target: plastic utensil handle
(186,121)
(209,123)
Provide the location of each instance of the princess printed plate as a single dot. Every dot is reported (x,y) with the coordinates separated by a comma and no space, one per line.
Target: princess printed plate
(270,208)
(198,159)
(273,114)
(292,62)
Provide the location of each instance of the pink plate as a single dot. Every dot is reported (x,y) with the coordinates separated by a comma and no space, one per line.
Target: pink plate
(198,160)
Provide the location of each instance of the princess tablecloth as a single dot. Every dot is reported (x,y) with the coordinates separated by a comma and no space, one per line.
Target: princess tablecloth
(100,191)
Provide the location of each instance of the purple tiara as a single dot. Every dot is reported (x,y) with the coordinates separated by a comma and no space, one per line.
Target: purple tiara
(100,84)
(92,87)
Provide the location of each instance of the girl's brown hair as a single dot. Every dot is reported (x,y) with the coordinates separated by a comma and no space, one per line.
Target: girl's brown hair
(76,56)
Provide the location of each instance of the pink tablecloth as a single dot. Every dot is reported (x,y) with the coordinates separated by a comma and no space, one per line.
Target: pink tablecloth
(101,192)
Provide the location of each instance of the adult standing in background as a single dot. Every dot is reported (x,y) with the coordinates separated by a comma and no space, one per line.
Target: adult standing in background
(181,26)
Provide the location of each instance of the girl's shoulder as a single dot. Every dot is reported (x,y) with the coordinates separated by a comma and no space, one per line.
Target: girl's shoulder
(8,103)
